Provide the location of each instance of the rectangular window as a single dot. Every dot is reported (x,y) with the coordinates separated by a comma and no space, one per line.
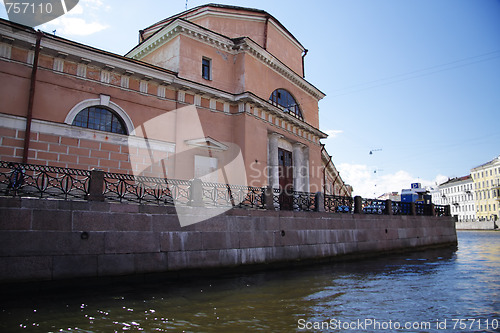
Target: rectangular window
(205,168)
(206,68)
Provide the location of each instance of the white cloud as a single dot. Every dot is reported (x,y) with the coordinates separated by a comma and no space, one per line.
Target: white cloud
(332,134)
(94,4)
(370,184)
(74,26)
(78,9)
(82,20)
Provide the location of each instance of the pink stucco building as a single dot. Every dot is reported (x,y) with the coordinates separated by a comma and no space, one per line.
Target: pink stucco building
(216,92)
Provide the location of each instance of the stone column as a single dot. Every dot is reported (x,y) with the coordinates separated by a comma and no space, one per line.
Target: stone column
(268,198)
(305,169)
(273,162)
(298,167)
(96,185)
(358,205)
(388,207)
(320,202)
(196,193)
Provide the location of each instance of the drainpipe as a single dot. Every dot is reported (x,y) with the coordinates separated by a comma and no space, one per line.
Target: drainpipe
(335,181)
(265,32)
(324,169)
(29,116)
(303,67)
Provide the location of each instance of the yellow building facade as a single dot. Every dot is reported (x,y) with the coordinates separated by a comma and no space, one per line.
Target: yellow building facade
(486,179)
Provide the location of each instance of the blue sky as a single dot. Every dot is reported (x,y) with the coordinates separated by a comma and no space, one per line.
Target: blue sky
(416,80)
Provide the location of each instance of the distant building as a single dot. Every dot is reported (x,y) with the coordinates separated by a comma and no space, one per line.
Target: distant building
(486,179)
(459,194)
(416,194)
(394,196)
(333,183)
(435,194)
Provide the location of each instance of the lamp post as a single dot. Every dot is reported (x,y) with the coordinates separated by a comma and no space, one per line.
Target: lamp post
(375,171)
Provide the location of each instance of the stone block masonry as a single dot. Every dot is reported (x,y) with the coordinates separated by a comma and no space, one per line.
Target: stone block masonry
(71,147)
(43,239)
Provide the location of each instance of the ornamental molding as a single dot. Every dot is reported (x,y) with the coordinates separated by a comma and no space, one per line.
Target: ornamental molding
(208,11)
(174,29)
(277,112)
(274,63)
(105,101)
(58,129)
(207,143)
(245,44)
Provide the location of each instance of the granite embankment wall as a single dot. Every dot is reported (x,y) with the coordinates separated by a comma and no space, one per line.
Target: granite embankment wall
(477,225)
(54,239)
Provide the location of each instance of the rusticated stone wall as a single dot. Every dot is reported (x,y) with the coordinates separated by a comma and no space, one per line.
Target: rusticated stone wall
(43,239)
(477,225)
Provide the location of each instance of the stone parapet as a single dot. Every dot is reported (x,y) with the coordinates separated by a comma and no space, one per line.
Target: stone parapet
(42,239)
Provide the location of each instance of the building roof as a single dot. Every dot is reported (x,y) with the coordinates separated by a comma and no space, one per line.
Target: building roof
(493,161)
(456,180)
(186,14)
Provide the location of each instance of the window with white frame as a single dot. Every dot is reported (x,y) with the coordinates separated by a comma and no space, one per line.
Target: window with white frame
(206,68)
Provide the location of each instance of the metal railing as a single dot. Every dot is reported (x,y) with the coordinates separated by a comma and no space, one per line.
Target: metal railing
(217,194)
(141,189)
(374,206)
(29,180)
(42,181)
(401,208)
(304,201)
(339,204)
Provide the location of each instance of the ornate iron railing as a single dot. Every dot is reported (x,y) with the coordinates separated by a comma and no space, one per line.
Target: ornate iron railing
(423,209)
(374,206)
(30,180)
(338,204)
(401,208)
(217,194)
(276,198)
(441,210)
(41,181)
(141,189)
(304,201)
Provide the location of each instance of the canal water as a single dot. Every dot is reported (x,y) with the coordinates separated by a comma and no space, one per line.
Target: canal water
(445,290)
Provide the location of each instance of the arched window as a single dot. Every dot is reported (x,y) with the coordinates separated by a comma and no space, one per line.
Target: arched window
(284,100)
(100,118)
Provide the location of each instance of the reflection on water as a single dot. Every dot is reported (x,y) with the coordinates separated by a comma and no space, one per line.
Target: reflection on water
(424,287)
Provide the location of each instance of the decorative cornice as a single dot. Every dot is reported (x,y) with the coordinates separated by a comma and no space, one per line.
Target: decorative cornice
(174,29)
(245,44)
(207,143)
(277,112)
(268,59)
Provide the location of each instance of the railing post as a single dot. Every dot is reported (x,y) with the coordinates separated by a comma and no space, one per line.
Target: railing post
(268,198)
(196,193)
(320,202)
(358,205)
(432,210)
(413,208)
(96,185)
(388,207)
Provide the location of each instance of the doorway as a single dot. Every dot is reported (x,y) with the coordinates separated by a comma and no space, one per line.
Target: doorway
(285,171)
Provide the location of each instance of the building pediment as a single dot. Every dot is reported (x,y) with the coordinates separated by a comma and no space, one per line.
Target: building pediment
(223,43)
(207,143)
